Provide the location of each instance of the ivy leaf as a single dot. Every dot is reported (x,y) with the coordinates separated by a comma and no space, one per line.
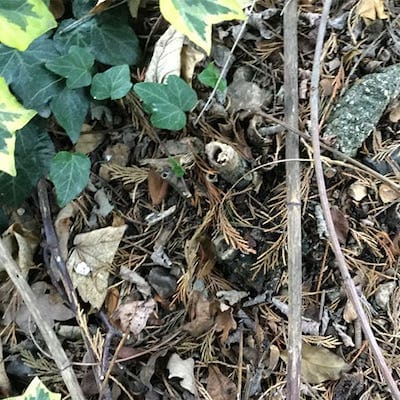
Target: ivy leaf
(13,116)
(4,134)
(22,21)
(69,173)
(180,93)
(113,83)
(19,68)
(33,152)
(37,391)
(75,66)
(167,102)
(176,167)
(107,36)
(70,108)
(195,18)
(209,77)
(168,117)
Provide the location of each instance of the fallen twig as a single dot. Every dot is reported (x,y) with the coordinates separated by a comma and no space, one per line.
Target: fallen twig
(293,198)
(347,280)
(52,246)
(52,342)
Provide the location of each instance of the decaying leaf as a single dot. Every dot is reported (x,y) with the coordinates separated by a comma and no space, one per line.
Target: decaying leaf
(190,57)
(232,296)
(224,322)
(220,387)
(341,224)
(97,249)
(132,276)
(357,191)
(57,8)
(166,58)
(22,243)
(371,9)
(319,364)
(89,141)
(202,318)
(157,186)
(49,303)
(62,225)
(349,313)
(133,316)
(183,369)
(387,194)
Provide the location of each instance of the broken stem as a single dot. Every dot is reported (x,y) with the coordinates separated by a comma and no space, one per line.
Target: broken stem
(293,199)
(347,280)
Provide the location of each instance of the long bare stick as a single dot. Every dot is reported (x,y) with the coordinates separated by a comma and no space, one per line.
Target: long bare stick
(293,198)
(52,342)
(347,280)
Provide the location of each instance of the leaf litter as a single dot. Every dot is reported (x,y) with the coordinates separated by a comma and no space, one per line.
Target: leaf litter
(197,284)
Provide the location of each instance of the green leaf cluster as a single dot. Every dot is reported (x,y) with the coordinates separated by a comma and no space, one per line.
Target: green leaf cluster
(61,74)
(167,102)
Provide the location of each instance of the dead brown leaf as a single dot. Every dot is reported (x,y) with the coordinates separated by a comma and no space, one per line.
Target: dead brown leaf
(371,9)
(157,187)
(224,322)
(341,224)
(387,194)
(319,364)
(202,318)
(220,387)
(133,316)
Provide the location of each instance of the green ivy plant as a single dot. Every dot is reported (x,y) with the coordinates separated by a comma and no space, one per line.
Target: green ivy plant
(67,70)
(209,77)
(167,103)
(61,74)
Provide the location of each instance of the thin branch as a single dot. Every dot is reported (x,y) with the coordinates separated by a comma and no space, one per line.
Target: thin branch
(293,198)
(347,280)
(52,342)
(53,247)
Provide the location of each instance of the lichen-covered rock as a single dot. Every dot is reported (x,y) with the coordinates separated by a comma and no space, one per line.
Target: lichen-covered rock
(358,111)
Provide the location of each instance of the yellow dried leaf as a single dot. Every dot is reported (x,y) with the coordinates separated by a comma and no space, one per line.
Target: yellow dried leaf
(319,364)
(371,9)
(387,194)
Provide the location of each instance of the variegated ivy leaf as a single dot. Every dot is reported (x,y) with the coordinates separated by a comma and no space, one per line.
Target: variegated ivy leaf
(194,18)
(13,116)
(22,21)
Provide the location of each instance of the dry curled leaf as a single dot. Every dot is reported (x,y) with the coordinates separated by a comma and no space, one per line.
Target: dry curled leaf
(220,387)
(133,316)
(183,369)
(387,194)
(371,9)
(96,249)
(224,322)
(202,318)
(157,186)
(319,364)
(357,191)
